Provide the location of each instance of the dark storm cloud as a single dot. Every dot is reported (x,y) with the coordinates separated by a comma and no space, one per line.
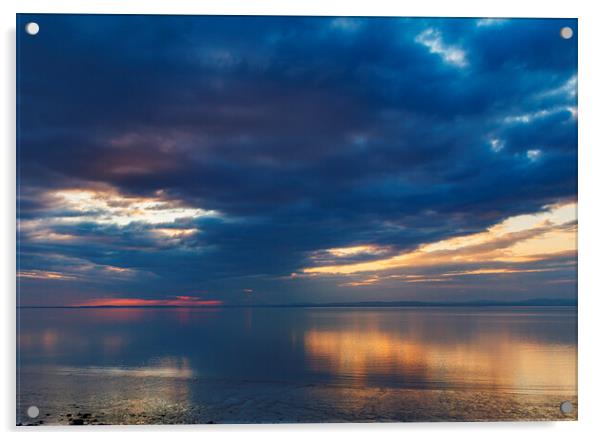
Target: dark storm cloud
(302,133)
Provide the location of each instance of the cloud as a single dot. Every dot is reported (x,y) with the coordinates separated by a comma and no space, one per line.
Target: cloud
(491,21)
(346,24)
(433,39)
(109,207)
(515,240)
(533,155)
(44,275)
(496,145)
(217,154)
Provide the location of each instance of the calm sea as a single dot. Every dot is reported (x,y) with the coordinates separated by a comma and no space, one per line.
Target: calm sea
(266,365)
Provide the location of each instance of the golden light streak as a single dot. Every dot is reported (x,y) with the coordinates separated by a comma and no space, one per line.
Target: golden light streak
(517,239)
(501,271)
(440,277)
(354,250)
(119,270)
(366,282)
(44,275)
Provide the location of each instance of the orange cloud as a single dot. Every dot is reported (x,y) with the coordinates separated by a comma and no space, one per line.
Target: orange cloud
(44,275)
(519,239)
(439,278)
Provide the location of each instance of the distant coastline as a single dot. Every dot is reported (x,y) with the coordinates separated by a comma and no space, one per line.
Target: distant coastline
(536,302)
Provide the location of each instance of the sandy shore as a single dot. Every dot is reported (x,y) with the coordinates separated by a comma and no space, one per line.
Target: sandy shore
(189,401)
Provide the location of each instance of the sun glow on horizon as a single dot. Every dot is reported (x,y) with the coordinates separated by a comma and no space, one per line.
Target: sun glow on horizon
(181,301)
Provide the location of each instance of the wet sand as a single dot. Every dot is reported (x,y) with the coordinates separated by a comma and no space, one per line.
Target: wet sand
(153,401)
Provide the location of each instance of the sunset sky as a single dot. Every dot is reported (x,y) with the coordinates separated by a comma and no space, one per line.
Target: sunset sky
(179,160)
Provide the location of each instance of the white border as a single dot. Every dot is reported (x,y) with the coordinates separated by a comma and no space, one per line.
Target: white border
(590,186)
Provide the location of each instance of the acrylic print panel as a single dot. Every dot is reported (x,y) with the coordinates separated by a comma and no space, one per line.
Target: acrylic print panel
(228,219)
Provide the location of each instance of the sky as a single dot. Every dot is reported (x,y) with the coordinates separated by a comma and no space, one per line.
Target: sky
(199,160)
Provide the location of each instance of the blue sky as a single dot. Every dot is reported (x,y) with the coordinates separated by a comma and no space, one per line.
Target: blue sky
(186,159)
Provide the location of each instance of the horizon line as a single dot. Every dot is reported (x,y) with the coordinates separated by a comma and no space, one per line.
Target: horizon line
(536,302)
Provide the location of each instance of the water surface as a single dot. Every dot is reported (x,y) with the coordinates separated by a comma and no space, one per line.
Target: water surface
(220,365)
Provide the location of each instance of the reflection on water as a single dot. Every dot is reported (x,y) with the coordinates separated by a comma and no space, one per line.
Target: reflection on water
(499,354)
(296,364)
(509,363)
(165,367)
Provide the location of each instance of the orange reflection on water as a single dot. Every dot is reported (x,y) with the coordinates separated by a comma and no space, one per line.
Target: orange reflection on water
(500,361)
(45,341)
(49,339)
